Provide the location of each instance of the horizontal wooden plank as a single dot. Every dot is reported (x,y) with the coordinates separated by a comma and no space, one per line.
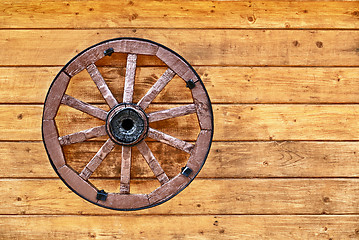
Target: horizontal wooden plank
(226,160)
(286,122)
(250,85)
(228,47)
(232,196)
(232,122)
(175,14)
(179,227)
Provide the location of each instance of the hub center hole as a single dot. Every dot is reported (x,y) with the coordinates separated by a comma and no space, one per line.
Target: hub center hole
(127,124)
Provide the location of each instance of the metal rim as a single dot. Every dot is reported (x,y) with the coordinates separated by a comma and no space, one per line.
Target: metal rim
(79,182)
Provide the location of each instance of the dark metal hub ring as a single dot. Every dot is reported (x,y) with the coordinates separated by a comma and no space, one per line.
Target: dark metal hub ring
(127,124)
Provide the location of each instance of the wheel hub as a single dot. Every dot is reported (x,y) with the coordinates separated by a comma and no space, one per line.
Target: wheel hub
(127,124)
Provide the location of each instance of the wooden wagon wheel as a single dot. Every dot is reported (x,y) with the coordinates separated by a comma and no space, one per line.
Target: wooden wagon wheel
(127,124)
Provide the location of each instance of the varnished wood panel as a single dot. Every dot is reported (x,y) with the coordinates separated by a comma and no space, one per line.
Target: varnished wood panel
(223,47)
(203,196)
(249,85)
(178,14)
(233,122)
(180,227)
(226,160)
(275,70)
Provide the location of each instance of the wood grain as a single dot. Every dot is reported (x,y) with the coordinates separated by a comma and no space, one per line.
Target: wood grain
(233,122)
(283,80)
(180,227)
(129,78)
(54,96)
(212,196)
(156,88)
(222,47)
(199,153)
(169,189)
(52,143)
(247,85)
(82,136)
(126,158)
(175,14)
(226,160)
(96,160)
(152,162)
(102,85)
(84,107)
(125,201)
(170,140)
(80,186)
(171,113)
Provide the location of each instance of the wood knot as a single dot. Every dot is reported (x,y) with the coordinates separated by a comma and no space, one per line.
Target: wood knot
(133,16)
(296,43)
(252,19)
(319,44)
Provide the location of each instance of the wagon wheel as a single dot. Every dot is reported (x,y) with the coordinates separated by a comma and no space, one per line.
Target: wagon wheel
(127,124)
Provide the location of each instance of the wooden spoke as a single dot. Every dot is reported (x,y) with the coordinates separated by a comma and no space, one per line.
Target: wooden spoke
(101,85)
(97,159)
(84,107)
(169,140)
(83,135)
(156,88)
(171,113)
(125,170)
(152,162)
(129,78)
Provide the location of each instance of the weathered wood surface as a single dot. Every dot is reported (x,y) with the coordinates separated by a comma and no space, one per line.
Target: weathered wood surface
(55,95)
(152,162)
(51,140)
(180,227)
(156,88)
(96,160)
(176,14)
(226,160)
(171,113)
(170,140)
(83,135)
(222,196)
(101,85)
(222,47)
(249,84)
(84,107)
(126,158)
(129,78)
(233,122)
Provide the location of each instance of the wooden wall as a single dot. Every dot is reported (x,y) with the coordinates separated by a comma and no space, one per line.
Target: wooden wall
(283,81)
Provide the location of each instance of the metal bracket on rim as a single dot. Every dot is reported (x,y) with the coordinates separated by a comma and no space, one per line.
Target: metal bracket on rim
(186,171)
(108,52)
(190,84)
(101,195)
